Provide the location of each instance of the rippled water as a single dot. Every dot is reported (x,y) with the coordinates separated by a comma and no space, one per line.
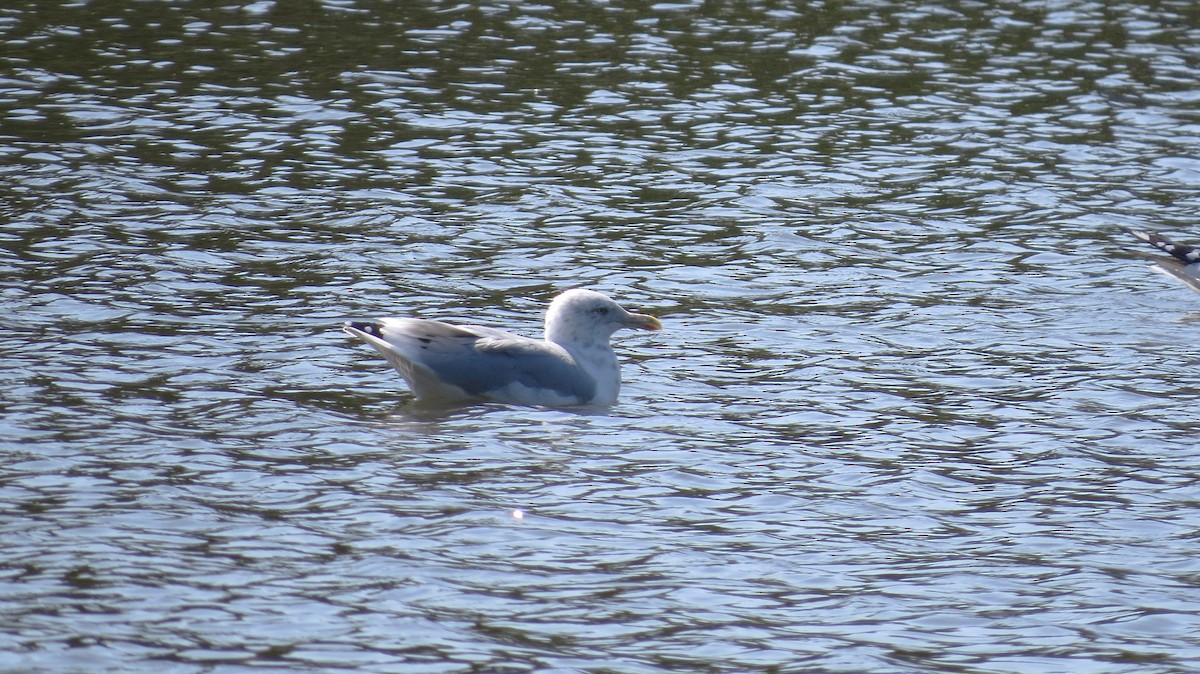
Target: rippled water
(919,406)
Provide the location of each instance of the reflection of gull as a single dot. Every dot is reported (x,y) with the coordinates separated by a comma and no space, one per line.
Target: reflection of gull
(574,365)
(1184,263)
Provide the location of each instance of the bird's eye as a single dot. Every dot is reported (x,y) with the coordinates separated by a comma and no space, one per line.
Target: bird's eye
(602,311)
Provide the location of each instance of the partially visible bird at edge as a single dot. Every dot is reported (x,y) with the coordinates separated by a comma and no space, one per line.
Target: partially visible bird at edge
(1184,263)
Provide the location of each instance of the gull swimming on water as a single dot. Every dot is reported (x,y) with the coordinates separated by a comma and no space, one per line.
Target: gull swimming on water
(573,365)
(1184,263)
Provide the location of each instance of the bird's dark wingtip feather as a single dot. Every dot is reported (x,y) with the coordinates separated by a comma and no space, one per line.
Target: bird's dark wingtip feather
(369,327)
(1185,254)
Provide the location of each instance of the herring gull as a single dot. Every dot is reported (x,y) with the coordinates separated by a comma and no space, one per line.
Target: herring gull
(1184,263)
(573,365)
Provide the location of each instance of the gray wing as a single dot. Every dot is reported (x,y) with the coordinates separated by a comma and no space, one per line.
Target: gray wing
(501,359)
(476,359)
(1188,274)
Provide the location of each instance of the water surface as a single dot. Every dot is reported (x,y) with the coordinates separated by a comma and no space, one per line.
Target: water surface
(919,405)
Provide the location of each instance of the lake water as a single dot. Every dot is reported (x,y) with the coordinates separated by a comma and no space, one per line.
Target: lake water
(919,405)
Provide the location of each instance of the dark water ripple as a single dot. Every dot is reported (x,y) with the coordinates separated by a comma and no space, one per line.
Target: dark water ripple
(919,406)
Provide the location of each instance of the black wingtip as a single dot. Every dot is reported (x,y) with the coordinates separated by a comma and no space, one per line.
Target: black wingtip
(369,327)
(1185,254)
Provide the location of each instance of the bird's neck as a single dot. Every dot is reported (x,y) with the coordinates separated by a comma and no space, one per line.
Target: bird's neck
(594,355)
(596,358)
(571,338)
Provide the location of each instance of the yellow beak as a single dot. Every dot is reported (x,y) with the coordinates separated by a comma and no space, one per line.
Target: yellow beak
(642,321)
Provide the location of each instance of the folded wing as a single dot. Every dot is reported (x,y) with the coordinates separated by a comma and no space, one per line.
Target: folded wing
(447,362)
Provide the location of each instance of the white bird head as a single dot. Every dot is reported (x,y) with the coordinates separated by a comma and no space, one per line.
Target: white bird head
(581,316)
